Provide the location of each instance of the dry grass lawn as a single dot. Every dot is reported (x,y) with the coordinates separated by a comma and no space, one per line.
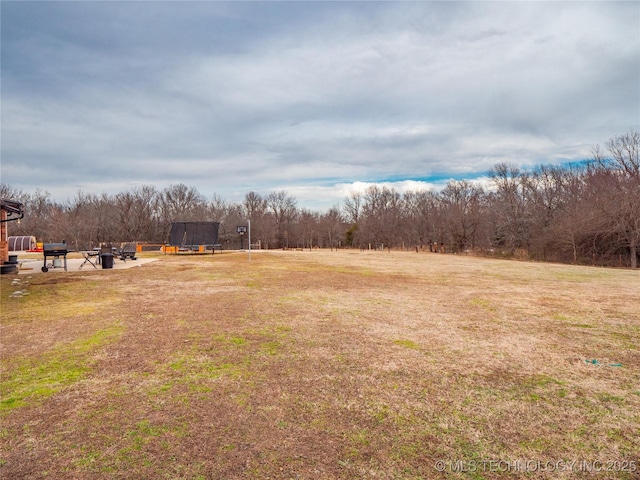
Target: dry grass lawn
(321,365)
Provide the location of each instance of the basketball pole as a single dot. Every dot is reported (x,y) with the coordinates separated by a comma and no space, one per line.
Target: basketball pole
(249,222)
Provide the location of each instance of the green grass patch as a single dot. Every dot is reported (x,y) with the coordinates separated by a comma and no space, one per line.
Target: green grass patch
(271,348)
(483,304)
(36,379)
(69,295)
(407,343)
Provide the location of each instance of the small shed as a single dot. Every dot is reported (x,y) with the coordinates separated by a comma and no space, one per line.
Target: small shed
(22,243)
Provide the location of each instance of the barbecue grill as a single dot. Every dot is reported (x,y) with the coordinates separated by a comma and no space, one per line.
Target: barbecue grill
(55,250)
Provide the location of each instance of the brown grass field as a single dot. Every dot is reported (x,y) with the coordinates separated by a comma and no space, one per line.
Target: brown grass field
(321,365)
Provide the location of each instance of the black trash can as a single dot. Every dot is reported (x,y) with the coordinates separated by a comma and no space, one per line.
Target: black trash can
(106,259)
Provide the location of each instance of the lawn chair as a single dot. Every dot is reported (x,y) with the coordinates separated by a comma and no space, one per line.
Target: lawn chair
(127,249)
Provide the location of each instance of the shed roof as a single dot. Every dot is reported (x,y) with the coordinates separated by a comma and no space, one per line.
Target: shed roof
(11,206)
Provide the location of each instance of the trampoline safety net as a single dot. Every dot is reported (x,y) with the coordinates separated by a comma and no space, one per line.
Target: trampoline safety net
(189,234)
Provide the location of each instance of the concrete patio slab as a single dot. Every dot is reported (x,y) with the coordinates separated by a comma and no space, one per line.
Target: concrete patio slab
(34,265)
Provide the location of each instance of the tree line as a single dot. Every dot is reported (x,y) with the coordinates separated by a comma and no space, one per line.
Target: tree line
(587,212)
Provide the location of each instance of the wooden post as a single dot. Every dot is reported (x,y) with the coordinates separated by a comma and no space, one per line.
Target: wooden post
(4,243)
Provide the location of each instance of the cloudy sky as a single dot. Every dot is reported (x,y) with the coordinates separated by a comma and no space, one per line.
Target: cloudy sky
(315,98)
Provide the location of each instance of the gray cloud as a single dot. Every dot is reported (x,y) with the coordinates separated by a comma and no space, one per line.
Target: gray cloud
(308,97)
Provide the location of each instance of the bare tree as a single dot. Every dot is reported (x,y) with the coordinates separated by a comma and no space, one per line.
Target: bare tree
(352,207)
(74,222)
(284,209)
(182,203)
(509,206)
(571,217)
(38,208)
(106,219)
(545,197)
(179,203)
(219,209)
(461,203)
(11,193)
(254,204)
(308,228)
(382,217)
(254,208)
(619,197)
(625,154)
(137,214)
(333,226)
(422,216)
